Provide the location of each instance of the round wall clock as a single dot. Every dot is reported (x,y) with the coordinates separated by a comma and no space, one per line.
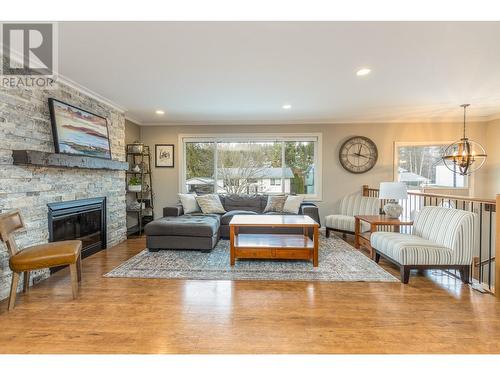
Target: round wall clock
(358,154)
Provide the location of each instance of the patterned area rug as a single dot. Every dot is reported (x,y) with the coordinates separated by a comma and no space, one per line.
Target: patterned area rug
(338,261)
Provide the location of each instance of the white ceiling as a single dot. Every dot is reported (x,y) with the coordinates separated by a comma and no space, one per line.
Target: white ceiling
(243,72)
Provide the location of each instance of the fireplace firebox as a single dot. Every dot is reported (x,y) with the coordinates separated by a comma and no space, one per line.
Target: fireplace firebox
(83,219)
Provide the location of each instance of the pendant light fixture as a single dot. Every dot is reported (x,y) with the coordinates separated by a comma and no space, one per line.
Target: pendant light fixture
(464,156)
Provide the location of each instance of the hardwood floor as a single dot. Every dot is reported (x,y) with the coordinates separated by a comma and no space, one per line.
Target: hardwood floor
(434,313)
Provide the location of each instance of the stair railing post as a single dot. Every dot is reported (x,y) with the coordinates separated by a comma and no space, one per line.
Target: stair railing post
(365,191)
(497,248)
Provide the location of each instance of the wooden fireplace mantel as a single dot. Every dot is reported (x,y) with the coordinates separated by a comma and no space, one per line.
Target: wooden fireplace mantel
(48,159)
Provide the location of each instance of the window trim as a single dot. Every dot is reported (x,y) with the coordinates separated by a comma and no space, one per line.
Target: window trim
(397,144)
(317,138)
(275,182)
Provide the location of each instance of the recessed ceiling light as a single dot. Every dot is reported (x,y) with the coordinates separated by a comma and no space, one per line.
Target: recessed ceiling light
(160,112)
(286,106)
(363,72)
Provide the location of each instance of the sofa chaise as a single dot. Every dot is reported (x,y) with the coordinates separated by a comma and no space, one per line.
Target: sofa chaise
(198,231)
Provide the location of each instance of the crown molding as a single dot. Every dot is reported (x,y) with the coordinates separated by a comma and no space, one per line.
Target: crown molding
(494,117)
(15,56)
(60,78)
(90,93)
(133,119)
(478,119)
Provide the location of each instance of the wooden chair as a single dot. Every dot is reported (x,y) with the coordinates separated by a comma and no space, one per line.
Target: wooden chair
(37,257)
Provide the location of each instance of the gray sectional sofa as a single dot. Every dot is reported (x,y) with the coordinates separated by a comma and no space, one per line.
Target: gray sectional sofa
(198,231)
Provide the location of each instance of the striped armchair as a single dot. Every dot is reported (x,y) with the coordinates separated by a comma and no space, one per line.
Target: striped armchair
(349,206)
(443,238)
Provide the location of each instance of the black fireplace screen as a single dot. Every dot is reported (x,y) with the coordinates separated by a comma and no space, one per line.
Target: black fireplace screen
(84,226)
(83,220)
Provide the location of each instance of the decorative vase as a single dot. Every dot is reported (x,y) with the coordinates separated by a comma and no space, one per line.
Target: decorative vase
(393,209)
(136,148)
(135,188)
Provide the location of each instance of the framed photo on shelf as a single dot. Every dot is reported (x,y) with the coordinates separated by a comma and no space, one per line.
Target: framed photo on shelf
(164,156)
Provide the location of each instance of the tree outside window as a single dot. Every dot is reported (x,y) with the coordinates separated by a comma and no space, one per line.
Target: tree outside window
(421,165)
(250,167)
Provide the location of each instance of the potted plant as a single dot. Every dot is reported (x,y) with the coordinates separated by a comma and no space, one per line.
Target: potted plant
(135,184)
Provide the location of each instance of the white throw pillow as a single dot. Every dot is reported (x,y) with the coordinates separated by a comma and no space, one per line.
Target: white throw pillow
(210,204)
(292,204)
(189,204)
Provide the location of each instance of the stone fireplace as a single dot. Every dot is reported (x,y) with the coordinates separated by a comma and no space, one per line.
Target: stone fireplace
(37,189)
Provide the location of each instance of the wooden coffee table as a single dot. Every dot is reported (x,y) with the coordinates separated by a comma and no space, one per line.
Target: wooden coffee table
(363,238)
(274,246)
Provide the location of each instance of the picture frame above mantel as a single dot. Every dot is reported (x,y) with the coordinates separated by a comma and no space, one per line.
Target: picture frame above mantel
(79,132)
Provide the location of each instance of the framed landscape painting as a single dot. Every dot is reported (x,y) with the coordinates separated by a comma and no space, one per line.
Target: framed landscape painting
(164,156)
(78,132)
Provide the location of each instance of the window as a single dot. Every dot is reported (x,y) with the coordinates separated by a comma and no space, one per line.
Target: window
(242,166)
(299,157)
(251,164)
(275,181)
(419,164)
(199,157)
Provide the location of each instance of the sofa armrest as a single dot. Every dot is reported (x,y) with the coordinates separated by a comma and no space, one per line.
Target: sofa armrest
(311,210)
(173,210)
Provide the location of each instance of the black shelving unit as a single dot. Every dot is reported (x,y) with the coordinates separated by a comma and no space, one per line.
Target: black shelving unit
(139,154)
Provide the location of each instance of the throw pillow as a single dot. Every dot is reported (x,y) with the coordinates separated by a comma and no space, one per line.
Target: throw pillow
(275,203)
(292,204)
(189,204)
(210,204)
